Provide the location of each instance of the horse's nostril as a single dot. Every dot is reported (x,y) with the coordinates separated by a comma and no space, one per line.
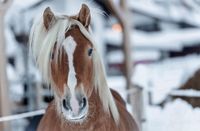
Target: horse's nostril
(66,105)
(83,103)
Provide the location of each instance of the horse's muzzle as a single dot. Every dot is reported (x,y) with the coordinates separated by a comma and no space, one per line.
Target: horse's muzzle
(75,108)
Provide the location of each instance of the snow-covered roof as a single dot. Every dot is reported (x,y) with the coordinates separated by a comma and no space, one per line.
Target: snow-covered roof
(170,11)
(162,77)
(161,40)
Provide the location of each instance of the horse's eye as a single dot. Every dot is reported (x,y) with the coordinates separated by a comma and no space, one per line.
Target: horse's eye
(90,52)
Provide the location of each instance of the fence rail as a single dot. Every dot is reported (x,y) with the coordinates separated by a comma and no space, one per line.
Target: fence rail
(22,115)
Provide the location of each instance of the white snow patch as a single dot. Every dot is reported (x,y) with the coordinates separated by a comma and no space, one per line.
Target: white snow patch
(176,116)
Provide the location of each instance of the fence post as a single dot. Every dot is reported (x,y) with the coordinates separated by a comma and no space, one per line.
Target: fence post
(122,14)
(4,97)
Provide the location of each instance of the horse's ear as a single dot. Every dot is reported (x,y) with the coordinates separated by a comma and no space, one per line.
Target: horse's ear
(48,18)
(84,15)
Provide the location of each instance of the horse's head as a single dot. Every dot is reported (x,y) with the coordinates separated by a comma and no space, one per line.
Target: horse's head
(67,58)
(71,66)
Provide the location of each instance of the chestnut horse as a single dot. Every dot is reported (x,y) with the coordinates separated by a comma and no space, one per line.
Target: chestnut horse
(69,62)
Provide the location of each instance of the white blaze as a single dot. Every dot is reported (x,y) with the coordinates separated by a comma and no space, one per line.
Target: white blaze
(69,46)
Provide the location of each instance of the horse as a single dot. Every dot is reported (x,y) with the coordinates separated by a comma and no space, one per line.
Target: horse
(67,57)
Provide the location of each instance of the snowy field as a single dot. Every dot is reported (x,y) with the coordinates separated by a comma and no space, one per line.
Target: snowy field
(176,116)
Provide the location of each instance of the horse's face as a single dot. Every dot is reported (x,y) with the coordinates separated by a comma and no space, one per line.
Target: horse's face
(72,69)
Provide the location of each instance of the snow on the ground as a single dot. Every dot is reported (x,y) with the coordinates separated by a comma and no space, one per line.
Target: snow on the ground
(176,116)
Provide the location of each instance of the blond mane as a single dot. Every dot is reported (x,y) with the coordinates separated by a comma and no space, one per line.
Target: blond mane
(41,44)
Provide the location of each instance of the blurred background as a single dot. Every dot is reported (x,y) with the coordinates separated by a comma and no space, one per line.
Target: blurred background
(150,49)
